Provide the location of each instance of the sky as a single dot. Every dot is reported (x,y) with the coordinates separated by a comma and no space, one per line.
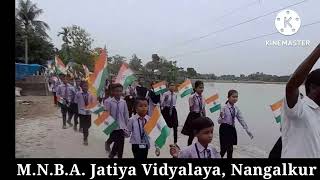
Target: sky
(145,27)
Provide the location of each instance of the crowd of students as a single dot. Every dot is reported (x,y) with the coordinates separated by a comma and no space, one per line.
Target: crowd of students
(133,107)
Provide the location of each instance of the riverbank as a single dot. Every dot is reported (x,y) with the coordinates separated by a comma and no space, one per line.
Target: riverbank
(244,82)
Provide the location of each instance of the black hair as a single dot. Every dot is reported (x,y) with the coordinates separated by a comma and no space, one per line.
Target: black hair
(138,99)
(117,85)
(230,93)
(83,83)
(201,123)
(152,83)
(312,79)
(197,84)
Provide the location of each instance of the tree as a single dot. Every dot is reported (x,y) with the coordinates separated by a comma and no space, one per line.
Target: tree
(65,50)
(76,46)
(115,62)
(135,63)
(191,72)
(26,17)
(40,49)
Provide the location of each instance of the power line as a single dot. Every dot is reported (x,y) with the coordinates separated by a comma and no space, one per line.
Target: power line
(237,42)
(235,25)
(217,19)
(235,10)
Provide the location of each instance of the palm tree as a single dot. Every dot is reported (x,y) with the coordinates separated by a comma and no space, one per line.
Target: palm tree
(65,33)
(26,15)
(65,38)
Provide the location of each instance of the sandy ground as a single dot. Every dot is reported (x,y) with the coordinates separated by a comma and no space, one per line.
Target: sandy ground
(39,134)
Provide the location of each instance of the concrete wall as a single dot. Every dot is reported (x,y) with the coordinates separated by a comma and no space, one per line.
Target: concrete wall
(34,86)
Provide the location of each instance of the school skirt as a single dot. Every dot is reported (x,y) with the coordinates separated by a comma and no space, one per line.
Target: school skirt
(227,135)
(172,121)
(187,127)
(85,121)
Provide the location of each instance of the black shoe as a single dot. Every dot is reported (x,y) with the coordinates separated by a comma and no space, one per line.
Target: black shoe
(75,128)
(64,127)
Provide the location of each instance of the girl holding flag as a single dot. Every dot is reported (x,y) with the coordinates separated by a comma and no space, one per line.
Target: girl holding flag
(227,130)
(169,112)
(197,109)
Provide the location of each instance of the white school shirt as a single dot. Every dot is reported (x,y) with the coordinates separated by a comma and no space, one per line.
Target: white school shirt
(165,99)
(191,152)
(136,131)
(301,129)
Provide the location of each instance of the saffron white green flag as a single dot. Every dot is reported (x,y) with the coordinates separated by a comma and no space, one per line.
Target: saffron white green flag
(98,78)
(125,76)
(213,103)
(106,123)
(95,108)
(276,109)
(160,88)
(185,88)
(156,128)
(60,67)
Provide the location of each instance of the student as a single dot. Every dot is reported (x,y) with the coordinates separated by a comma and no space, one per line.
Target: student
(203,130)
(118,109)
(130,98)
(275,152)
(65,92)
(139,139)
(227,131)
(55,82)
(197,109)
(140,90)
(74,105)
(153,99)
(169,112)
(300,128)
(84,98)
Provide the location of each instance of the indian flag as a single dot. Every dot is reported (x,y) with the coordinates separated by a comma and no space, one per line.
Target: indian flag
(99,76)
(106,123)
(60,67)
(95,108)
(276,109)
(213,103)
(61,100)
(160,88)
(185,88)
(157,129)
(125,76)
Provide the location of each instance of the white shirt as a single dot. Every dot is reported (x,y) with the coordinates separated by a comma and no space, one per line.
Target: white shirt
(301,129)
(191,151)
(136,128)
